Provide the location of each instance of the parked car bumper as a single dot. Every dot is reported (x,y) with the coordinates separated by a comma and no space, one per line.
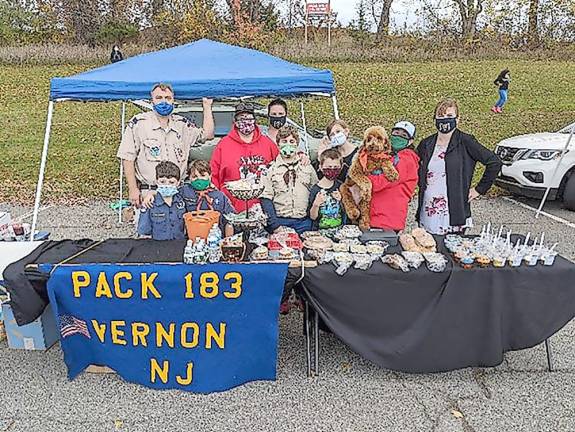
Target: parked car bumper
(511,185)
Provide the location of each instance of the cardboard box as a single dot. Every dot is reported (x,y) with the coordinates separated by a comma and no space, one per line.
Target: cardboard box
(38,335)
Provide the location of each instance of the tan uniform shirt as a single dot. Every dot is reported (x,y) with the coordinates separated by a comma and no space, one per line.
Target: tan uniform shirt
(147,144)
(290,200)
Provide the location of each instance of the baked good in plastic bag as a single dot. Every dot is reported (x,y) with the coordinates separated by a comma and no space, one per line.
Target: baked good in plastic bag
(424,240)
(343,262)
(362,261)
(414,259)
(436,262)
(396,262)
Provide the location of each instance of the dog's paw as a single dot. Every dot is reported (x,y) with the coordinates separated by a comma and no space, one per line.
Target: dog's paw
(353,214)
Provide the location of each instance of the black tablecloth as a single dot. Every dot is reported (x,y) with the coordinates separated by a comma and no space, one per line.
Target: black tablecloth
(432,322)
(27,286)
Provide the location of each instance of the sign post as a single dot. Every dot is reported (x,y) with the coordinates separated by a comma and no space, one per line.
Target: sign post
(318,11)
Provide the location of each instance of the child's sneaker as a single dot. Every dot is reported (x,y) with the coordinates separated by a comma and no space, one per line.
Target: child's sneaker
(494,109)
(499,110)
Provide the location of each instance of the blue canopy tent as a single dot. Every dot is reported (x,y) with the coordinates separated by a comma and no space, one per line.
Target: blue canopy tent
(200,69)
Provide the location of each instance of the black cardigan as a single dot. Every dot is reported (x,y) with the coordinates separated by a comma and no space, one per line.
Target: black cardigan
(463,152)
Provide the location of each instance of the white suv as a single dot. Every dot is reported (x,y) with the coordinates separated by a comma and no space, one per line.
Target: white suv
(530,160)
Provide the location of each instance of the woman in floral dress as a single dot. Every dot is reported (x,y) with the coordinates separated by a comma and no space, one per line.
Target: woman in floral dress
(447,164)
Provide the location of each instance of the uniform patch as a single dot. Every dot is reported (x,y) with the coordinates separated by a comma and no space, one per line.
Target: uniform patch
(155,151)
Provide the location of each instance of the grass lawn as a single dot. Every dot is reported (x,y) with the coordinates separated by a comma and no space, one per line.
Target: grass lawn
(85,136)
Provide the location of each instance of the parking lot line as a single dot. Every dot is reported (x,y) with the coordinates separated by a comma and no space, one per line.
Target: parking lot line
(549,215)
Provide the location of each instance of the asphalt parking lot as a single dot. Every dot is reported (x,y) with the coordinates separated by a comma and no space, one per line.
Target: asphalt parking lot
(351,394)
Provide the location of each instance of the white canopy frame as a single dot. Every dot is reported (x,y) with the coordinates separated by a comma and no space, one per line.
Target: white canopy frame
(45,147)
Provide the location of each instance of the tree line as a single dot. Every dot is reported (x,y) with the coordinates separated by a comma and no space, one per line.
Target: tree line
(161,23)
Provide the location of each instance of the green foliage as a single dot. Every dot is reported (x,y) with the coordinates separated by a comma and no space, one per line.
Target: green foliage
(85,136)
(115,33)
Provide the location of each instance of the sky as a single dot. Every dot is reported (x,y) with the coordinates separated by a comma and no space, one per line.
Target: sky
(402,11)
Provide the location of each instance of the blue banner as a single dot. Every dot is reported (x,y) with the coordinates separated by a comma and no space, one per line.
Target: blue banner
(190,327)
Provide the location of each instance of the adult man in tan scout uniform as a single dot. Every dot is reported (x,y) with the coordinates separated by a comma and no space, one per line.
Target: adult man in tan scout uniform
(159,135)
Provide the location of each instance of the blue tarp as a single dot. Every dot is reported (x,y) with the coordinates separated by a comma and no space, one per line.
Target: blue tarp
(200,69)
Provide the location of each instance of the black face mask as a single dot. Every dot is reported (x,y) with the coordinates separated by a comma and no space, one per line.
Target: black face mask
(446,125)
(277,121)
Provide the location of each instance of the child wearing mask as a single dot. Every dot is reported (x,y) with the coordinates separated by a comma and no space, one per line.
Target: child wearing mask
(325,208)
(287,185)
(165,219)
(200,194)
(338,138)
(242,154)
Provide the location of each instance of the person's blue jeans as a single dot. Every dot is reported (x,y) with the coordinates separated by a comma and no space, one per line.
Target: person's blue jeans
(502,98)
(299,225)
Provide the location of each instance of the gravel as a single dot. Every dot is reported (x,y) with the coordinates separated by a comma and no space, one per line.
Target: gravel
(351,394)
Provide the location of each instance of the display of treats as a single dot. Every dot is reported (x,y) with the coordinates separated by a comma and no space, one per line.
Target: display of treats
(343,262)
(396,262)
(414,259)
(318,242)
(260,253)
(494,248)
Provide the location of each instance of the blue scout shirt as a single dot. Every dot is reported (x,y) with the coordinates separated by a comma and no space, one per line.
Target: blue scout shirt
(211,199)
(164,222)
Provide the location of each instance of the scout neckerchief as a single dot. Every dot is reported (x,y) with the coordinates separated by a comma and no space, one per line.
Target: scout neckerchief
(204,196)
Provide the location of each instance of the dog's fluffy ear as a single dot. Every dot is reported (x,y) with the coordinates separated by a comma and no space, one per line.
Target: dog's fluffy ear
(377,132)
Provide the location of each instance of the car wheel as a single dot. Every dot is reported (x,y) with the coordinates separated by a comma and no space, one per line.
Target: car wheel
(569,193)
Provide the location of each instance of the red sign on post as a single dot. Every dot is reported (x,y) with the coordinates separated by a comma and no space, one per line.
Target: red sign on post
(317,8)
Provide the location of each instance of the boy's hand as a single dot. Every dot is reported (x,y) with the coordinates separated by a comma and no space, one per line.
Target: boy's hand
(319,199)
(134,196)
(336,195)
(304,159)
(148,201)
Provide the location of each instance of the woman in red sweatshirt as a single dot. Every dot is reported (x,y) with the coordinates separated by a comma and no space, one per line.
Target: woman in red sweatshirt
(390,200)
(242,153)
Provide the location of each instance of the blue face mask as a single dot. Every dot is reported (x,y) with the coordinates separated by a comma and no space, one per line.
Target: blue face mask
(167,191)
(164,108)
(338,139)
(446,125)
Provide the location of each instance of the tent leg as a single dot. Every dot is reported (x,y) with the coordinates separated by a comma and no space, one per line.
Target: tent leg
(335,108)
(122,125)
(303,123)
(554,173)
(42,169)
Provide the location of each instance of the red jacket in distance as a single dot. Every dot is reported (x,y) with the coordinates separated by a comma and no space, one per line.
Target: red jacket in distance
(233,159)
(390,200)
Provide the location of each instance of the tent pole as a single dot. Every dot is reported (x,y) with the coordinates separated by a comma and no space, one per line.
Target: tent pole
(303,123)
(554,173)
(122,126)
(42,169)
(335,108)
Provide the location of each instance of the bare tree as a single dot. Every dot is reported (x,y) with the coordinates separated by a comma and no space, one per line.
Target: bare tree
(469,10)
(533,28)
(383,22)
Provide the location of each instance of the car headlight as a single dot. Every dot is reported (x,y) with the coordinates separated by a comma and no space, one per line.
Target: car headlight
(544,155)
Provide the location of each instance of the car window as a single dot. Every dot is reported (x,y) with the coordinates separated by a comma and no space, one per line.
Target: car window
(222,119)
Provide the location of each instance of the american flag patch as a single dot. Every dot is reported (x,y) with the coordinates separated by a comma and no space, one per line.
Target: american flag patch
(70,326)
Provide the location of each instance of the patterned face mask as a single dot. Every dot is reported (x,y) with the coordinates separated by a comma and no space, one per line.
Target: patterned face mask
(246,126)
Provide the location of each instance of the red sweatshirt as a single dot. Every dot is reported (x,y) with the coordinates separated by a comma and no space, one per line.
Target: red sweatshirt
(234,159)
(389,200)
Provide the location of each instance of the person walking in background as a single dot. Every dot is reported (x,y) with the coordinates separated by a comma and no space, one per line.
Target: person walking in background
(502,82)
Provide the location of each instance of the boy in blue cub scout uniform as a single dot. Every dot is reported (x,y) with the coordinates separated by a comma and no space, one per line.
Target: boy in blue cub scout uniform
(199,194)
(165,219)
